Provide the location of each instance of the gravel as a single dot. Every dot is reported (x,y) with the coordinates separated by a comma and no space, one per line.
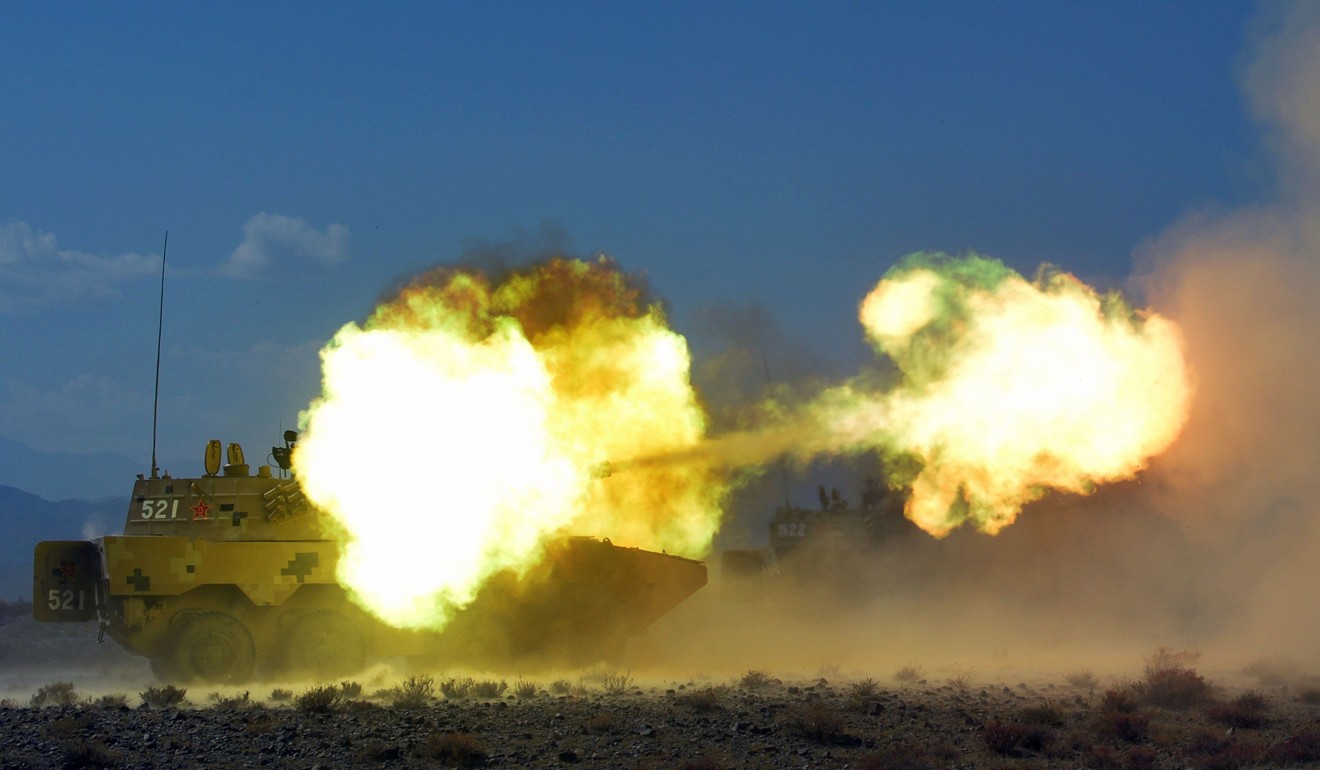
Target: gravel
(645,720)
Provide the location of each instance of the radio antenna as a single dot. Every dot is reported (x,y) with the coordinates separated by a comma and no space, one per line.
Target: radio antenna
(160,329)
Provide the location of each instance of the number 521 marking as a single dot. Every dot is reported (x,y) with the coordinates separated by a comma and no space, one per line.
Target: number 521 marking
(160,509)
(64,600)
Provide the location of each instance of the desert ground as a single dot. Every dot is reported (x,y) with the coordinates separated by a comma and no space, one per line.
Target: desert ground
(69,703)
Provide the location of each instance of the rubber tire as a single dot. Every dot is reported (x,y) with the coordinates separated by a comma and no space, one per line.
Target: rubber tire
(323,644)
(212,647)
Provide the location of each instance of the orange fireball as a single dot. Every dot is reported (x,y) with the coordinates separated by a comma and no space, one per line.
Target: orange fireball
(494,403)
(1013,387)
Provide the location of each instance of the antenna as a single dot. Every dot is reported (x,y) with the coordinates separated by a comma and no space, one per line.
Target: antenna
(160,329)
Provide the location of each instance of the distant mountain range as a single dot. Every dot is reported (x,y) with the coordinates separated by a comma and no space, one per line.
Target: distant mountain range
(59,496)
(26,519)
(74,476)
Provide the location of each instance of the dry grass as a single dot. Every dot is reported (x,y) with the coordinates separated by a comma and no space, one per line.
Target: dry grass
(1117,718)
(412,693)
(1124,726)
(908,674)
(1003,737)
(1016,737)
(112,700)
(1045,713)
(700,701)
(616,682)
(55,694)
(525,689)
(756,679)
(561,687)
(240,700)
(1299,748)
(864,689)
(324,699)
(1122,701)
(1249,711)
(281,695)
(1213,749)
(163,697)
(1082,679)
(1174,688)
(351,689)
(489,688)
(458,689)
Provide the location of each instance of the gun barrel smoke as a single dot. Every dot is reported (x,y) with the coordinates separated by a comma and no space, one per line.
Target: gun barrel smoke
(803,437)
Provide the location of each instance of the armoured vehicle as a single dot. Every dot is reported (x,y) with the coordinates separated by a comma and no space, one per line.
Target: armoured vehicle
(807,545)
(229,575)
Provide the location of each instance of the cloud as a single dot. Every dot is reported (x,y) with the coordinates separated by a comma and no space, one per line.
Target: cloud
(271,238)
(35,271)
(91,412)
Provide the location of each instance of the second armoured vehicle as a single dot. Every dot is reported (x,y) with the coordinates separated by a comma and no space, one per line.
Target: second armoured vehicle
(832,543)
(230,574)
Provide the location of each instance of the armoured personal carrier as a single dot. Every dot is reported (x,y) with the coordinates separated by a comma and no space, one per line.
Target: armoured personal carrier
(812,548)
(226,575)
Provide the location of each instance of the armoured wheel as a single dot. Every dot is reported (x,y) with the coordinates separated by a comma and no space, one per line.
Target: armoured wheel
(324,644)
(212,647)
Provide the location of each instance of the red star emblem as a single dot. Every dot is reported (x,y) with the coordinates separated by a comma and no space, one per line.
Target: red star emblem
(67,570)
(200,510)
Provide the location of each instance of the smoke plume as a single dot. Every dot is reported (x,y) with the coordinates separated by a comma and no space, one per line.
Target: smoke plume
(1244,286)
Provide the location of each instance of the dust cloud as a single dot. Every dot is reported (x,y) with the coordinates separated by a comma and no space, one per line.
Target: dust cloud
(1216,547)
(1245,286)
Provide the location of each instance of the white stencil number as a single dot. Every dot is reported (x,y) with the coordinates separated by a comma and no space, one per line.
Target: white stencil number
(792,529)
(160,509)
(68,599)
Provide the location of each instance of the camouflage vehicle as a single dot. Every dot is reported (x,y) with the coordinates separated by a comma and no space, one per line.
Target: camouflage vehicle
(807,545)
(223,576)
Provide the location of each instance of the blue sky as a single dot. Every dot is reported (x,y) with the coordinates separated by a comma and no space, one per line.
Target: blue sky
(304,158)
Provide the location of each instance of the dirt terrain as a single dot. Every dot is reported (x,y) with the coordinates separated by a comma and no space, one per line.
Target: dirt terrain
(111,714)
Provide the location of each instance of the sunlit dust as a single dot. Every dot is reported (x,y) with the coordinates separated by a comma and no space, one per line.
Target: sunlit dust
(462,427)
